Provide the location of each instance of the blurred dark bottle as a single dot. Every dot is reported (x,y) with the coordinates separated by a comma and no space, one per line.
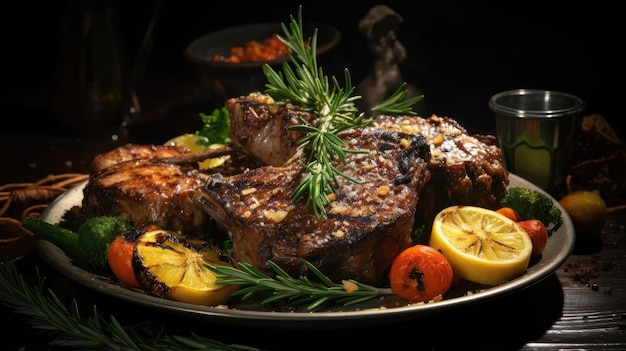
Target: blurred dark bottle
(93,87)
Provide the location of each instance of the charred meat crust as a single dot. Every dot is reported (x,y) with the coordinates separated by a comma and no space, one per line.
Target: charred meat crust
(368,224)
(466,169)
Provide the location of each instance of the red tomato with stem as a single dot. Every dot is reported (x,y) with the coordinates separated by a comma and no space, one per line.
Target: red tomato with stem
(538,234)
(420,273)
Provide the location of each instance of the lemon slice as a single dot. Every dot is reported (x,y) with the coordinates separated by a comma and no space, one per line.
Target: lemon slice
(482,245)
(170,268)
(191,142)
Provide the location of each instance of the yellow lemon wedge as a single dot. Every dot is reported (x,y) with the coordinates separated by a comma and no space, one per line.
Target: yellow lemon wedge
(482,246)
(190,141)
(168,267)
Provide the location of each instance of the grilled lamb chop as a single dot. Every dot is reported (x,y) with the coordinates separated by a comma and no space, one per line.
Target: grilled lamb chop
(368,224)
(261,128)
(144,184)
(466,169)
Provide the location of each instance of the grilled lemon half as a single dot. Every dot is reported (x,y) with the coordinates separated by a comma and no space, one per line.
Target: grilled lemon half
(482,246)
(169,267)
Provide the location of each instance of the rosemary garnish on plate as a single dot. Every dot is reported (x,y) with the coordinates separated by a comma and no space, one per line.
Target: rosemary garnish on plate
(71,330)
(303,83)
(294,291)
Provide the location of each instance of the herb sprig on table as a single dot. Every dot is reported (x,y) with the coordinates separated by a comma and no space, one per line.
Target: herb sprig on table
(47,313)
(303,83)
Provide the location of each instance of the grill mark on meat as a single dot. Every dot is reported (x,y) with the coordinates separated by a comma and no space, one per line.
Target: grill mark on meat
(132,152)
(138,183)
(368,224)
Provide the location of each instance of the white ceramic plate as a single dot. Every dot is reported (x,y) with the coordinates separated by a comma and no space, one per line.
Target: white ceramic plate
(387,310)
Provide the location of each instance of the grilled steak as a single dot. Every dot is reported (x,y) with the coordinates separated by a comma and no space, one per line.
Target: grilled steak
(136,183)
(368,224)
(466,169)
(261,129)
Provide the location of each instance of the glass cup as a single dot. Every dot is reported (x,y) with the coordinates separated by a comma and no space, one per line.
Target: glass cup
(537,129)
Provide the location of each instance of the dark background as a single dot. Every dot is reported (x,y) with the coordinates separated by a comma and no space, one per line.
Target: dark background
(459,53)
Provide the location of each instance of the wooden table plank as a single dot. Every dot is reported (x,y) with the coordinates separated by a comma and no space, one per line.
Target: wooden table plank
(594,291)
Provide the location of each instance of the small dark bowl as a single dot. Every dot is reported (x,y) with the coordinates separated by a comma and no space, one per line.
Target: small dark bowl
(236,79)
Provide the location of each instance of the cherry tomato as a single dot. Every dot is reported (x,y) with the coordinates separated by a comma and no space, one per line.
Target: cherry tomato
(538,234)
(120,257)
(510,213)
(420,273)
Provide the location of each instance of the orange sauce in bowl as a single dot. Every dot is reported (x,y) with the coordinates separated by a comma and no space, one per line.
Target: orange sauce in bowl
(255,51)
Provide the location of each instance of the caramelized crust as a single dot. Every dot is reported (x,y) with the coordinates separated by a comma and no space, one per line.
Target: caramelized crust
(466,169)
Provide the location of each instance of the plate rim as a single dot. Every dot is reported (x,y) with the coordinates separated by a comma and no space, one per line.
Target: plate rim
(56,258)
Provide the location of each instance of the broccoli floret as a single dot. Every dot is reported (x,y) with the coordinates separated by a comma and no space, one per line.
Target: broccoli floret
(94,237)
(88,245)
(532,204)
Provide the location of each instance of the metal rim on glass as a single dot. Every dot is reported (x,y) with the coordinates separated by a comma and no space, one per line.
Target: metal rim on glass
(539,103)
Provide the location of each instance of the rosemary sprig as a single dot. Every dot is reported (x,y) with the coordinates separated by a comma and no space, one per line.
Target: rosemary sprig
(303,83)
(47,313)
(397,104)
(300,291)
